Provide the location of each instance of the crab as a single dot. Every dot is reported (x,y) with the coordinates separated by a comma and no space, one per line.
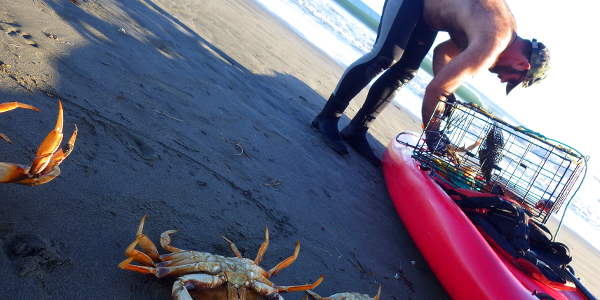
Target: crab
(346,296)
(45,165)
(209,276)
(544,205)
(452,151)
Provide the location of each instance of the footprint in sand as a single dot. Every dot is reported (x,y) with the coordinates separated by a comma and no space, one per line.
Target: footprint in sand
(33,256)
(13,30)
(147,151)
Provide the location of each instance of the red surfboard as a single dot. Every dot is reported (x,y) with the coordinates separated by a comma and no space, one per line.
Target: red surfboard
(463,261)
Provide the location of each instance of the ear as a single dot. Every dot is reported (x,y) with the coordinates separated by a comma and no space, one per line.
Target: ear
(521,65)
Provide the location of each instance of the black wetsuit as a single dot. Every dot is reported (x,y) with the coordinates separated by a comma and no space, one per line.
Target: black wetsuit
(403,41)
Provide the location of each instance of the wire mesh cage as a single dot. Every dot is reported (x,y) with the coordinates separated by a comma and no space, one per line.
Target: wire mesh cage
(484,151)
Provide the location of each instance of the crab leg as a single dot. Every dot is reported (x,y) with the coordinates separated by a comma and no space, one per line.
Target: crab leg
(4,137)
(137,255)
(266,290)
(201,281)
(316,296)
(145,243)
(10,173)
(165,241)
(210,267)
(287,289)
(288,261)
(263,247)
(463,148)
(49,145)
(4,107)
(378,293)
(233,248)
(185,258)
(168,271)
(126,265)
(150,253)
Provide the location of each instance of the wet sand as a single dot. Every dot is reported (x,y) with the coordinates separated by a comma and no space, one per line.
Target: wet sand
(195,113)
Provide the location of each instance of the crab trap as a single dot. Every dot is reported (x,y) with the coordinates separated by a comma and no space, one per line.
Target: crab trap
(484,153)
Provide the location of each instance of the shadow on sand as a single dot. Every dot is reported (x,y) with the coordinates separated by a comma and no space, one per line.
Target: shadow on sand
(174,127)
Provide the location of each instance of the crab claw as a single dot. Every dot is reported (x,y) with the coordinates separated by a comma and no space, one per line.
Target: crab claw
(45,165)
(60,155)
(49,145)
(4,107)
(544,205)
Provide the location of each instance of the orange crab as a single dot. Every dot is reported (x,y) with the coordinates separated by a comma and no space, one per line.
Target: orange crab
(452,150)
(209,276)
(45,165)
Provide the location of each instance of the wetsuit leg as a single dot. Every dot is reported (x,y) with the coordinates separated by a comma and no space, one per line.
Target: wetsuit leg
(398,21)
(385,88)
(396,27)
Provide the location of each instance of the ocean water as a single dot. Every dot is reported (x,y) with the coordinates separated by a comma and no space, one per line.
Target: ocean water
(344,30)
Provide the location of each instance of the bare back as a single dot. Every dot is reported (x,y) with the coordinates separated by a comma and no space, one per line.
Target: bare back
(467,20)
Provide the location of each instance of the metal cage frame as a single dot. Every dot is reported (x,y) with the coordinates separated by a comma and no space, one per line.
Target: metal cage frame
(484,151)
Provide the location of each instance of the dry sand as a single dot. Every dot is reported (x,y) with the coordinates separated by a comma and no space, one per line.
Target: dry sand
(197,114)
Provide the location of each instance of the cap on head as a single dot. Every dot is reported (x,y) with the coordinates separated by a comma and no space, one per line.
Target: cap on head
(539,63)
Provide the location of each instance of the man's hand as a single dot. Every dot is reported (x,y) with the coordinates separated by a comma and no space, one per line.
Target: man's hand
(450,100)
(452,71)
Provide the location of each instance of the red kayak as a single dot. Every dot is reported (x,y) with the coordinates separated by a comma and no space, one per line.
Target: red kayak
(462,259)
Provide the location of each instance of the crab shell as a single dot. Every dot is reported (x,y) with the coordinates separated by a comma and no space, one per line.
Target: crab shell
(346,296)
(204,275)
(210,294)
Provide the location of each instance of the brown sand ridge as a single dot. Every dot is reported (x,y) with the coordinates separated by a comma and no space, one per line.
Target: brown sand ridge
(196,113)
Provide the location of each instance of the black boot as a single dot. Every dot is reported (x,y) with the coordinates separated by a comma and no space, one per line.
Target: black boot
(326,123)
(355,134)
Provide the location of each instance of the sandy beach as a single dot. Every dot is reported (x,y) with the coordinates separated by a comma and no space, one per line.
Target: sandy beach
(195,113)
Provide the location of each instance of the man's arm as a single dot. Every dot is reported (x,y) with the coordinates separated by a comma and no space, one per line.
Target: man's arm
(450,72)
(443,54)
